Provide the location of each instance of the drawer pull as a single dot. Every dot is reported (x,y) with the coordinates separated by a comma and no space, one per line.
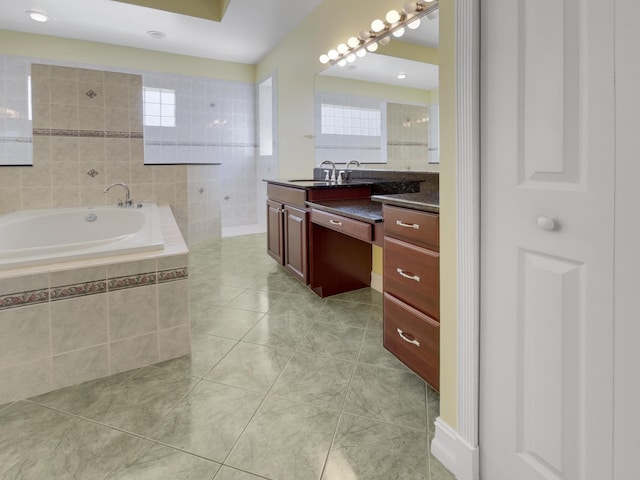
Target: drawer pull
(335,222)
(406,339)
(415,226)
(408,275)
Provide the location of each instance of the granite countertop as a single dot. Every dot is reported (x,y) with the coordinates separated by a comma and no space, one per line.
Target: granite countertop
(425,201)
(306,184)
(362,209)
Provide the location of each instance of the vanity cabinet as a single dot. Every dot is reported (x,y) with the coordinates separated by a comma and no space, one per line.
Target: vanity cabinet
(287,229)
(412,290)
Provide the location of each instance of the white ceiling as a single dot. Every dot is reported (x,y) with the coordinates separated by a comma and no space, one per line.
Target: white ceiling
(248,31)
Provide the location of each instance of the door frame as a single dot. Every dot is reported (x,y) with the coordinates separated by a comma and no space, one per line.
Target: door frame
(458,448)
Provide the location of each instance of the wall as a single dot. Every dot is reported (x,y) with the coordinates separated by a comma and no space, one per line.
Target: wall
(296,61)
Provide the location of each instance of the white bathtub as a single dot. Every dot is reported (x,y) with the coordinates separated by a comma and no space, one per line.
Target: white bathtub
(37,237)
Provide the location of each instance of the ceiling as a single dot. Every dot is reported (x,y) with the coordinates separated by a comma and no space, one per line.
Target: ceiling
(248,30)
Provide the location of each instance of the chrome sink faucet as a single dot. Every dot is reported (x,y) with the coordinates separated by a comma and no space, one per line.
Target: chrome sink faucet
(127,202)
(357,163)
(333,170)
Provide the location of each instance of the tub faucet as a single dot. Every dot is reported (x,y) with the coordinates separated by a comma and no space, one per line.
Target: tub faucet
(127,202)
(333,169)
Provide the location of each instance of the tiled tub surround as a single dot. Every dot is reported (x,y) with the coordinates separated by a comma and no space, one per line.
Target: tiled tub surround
(66,323)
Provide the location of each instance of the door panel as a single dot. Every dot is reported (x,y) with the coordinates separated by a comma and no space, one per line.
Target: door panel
(547,240)
(296,251)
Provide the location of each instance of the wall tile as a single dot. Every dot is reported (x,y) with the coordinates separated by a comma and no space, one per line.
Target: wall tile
(26,283)
(64,149)
(91,150)
(116,119)
(173,261)
(117,172)
(117,149)
(25,380)
(173,304)
(41,149)
(41,115)
(65,174)
(76,367)
(174,342)
(78,323)
(64,117)
(82,275)
(91,118)
(68,73)
(116,96)
(39,175)
(131,268)
(134,352)
(25,334)
(90,75)
(63,92)
(65,197)
(37,197)
(133,311)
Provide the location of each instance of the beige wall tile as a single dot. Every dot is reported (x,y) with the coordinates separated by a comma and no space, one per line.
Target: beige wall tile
(117,78)
(88,99)
(41,115)
(136,150)
(40,89)
(24,283)
(63,92)
(64,174)
(10,199)
(133,311)
(11,176)
(40,70)
(69,73)
(76,367)
(164,173)
(91,118)
(78,275)
(134,352)
(64,149)
(174,342)
(142,192)
(164,193)
(131,268)
(37,197)
(64,117)
(41,148)
(141,173)
(116,96)
(65,197)
(25,380)
(93,195)
(116,119)
(88,180)
(117,149)
(117,172)
(173,261)
(39,175)
(25,334)
(91,149)
(90,76)
(173,304)
(78,323)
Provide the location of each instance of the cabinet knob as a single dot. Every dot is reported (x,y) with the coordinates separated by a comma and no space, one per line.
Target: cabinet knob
(546,223)
(404,337)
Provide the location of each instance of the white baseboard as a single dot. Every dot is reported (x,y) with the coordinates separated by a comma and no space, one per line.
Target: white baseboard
(455,453)
(376,282)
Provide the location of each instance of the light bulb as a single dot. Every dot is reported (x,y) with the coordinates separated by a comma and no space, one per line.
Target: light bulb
(37,16)
(364,35)
(324,58)
(342,63)
(361,53)
(351,58)
(333,54)
(410,7)
(415,24)
(401,76)
(384,41)
(373,47)
(353,42)
(342,48)
(398,33)
(393,16)
(377,25)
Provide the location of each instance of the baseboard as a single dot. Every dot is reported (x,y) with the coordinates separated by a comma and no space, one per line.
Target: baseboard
(376,282)
(455,453)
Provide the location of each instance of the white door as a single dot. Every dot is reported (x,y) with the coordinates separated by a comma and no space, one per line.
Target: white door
(547,226)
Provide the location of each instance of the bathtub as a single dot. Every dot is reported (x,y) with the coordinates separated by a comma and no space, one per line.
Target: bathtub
(40,237)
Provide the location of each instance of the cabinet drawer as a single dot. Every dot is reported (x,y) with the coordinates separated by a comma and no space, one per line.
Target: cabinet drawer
(419,228)
(348,226)
(413,338)
(412,274)
(287,195)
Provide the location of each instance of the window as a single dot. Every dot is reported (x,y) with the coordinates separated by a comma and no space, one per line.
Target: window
(159,107)
(347,120)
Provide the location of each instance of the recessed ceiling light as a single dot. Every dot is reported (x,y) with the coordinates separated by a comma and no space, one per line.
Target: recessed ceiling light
(402,76)
(37,16)
(156,34)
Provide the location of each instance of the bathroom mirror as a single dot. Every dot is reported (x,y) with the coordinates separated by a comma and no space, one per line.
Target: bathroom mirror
(16,147)
(364,112)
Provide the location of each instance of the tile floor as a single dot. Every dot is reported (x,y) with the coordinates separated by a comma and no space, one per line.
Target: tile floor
(280,385)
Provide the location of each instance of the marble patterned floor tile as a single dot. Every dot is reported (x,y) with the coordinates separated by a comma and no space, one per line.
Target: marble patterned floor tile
(256,300)
(225,322)
(82,451)
(279,331)
(329,339)
(315,380)
(228,473)
(152,461)
(209,420)
(374,353)
(24,426)
(363,295)
(274,282)
(389,395)
(372,450)
(376,319)
(351,314)
(76,399)
(210,293)
(285,441)
(433,409)
(251,366)
(438,471)
(206,352)
(298,306)
(138,404)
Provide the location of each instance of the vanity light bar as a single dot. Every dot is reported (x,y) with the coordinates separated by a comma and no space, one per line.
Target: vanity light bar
(381,31)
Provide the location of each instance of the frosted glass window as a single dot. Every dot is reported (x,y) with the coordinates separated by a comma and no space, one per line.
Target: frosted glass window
(345,120)
(159,106)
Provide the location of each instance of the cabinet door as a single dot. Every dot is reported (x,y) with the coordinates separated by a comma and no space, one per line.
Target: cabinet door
(295,248)
(275,247)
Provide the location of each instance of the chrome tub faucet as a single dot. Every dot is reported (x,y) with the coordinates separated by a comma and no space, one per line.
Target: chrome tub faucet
(127,202)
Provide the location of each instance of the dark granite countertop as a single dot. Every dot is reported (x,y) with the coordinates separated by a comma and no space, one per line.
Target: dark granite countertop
(307,184)
(425,201)
(362,209)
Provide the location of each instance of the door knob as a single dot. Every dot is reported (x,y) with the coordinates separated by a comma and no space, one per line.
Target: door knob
(546,223)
